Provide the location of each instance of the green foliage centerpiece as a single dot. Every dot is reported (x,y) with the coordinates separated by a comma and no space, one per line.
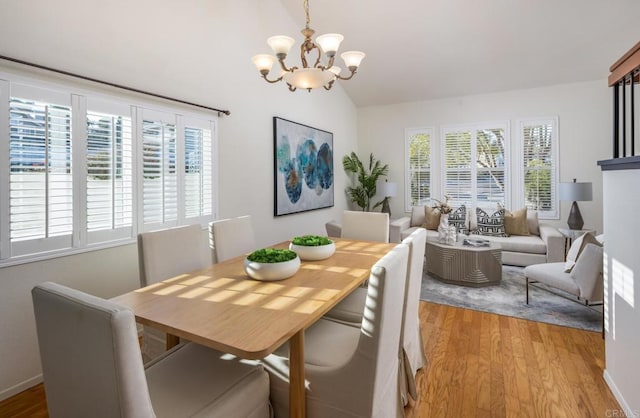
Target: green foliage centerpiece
(271,264)
(313,247)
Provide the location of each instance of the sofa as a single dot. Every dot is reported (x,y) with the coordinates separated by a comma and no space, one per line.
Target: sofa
(544,244)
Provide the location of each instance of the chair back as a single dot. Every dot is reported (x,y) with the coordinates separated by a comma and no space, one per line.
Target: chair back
(588,271)
(91,360)
(376,360)
(169,252)
(412,343)
(229,238)
(366,226)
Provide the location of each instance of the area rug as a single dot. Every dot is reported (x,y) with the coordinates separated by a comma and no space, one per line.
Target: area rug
(508,298)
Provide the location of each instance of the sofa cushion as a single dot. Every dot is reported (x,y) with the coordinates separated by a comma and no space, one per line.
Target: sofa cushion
(490,225)
(531,244)
(431,218)
(417,215)
(515,223)
(532,222)
(458,218)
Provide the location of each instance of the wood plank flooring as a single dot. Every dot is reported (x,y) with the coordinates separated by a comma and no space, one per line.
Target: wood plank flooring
(480,365)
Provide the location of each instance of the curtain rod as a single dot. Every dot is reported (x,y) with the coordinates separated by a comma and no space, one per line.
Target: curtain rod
(42,67)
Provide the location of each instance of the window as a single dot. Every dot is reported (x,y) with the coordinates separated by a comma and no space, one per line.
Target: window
(72,170)
(418,163)
(475,165)
(538,139)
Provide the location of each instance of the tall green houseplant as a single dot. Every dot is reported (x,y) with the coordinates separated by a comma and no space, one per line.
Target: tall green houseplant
(365,178)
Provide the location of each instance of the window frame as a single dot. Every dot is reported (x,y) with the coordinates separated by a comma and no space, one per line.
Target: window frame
(555,169)
(409,134)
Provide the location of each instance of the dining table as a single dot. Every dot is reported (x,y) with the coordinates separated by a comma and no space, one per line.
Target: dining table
(222,308)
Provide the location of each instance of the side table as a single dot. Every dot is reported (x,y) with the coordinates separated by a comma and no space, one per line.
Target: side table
(570,235)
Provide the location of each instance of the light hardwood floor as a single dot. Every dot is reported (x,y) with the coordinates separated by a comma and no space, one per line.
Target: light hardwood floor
(481,365)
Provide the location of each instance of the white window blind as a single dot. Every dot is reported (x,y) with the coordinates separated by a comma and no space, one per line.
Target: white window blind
(109,172)
(418,163)
(475,165)
(40,180)
(539,163)
(198,164)
(160,182)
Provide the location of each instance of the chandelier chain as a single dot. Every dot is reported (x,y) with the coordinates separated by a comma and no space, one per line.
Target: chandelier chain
(306,11)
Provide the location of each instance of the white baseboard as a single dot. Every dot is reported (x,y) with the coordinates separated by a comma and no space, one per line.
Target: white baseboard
(616,393)
(14,390)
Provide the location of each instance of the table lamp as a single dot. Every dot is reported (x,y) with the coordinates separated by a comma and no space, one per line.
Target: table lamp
(388,190)
(576,192)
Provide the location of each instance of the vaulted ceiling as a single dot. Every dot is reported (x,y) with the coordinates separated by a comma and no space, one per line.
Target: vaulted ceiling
(427,49)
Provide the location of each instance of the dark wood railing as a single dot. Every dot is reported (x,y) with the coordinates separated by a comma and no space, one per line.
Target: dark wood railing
(624,80)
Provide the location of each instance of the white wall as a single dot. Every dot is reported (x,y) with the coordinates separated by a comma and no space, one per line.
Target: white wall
(583,111)
(198,51)
(622,281)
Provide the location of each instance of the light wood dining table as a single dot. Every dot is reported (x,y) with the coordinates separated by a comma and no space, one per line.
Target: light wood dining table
(222,308)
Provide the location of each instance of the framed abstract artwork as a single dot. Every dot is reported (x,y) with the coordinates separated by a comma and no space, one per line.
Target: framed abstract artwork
(303,167)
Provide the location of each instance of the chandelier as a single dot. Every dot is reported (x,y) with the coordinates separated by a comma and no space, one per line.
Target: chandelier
(308,77)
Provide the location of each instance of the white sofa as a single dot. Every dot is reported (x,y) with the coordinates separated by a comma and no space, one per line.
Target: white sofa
(545,244)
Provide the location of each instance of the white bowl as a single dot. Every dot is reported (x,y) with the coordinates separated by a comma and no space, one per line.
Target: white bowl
(313,253)
(271,271)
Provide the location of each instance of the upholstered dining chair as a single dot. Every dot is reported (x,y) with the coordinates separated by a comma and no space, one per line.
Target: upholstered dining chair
(352,371)
(351,310)
(164,254)
(366,226)
(229,238)
(92,366)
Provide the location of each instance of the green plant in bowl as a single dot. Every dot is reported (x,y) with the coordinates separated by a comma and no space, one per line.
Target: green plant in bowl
(271,264)
(312,247)
(311,240)
(271,255)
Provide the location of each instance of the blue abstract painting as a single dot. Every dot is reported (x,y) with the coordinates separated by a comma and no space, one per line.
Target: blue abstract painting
(303,167)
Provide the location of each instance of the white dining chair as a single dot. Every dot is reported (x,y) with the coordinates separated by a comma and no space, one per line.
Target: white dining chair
(164,254)
(352,372)
(365,226)
(229,238)
(350,311)
(92,366)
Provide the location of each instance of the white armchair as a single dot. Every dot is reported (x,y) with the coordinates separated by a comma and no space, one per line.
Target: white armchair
(584,281)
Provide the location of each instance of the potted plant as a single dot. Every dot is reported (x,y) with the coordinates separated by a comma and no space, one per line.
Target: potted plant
(313,247)
(271,264)
(366,179)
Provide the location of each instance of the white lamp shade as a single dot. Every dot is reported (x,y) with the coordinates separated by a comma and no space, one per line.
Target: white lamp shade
(309,78)
(389,189)
(329,42)
(281,44)
(576,192)
(263,61)
(352,58)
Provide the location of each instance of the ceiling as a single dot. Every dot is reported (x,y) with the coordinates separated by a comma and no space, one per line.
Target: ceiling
(429,49)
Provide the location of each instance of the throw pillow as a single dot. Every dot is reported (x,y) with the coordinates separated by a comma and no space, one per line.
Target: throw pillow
(576,248)
(458,218)
(490,225)
(431,218)
(532,222)
(515,223)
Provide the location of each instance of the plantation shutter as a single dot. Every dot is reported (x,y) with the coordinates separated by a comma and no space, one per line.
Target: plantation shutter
(160,182)
(458,175)
(490,161)
(40,181)
(418,144)
(109,172)
(539,166)
(198,168)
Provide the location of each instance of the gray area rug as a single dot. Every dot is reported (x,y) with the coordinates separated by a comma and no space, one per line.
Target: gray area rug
(508,298)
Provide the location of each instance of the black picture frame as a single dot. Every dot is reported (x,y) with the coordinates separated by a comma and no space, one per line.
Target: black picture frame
(303,174)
